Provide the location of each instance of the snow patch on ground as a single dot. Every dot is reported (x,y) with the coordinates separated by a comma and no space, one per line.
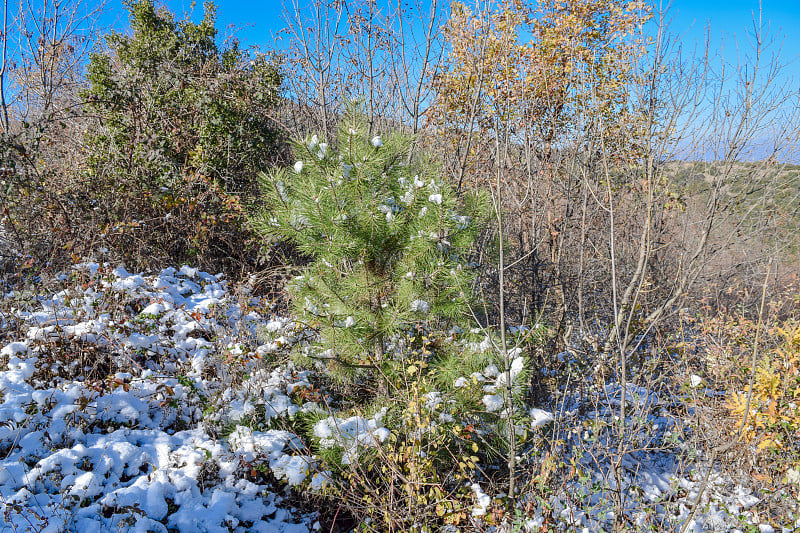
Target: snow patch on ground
(87,447)
(159,402)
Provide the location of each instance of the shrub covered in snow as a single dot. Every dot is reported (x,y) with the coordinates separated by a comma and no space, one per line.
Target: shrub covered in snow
(160,403)
(111,386)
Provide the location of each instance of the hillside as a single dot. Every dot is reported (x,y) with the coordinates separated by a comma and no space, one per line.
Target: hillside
(165,403)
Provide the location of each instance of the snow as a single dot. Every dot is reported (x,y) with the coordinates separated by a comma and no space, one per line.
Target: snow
(435,199)
(540,417)
(420,306)
(482,500)
(158,402)
(294,469)
(460,382)
(352,434)
(491,371)
(516,367)
(251,444)
(493,402)
(128,451)
(14,348)
(433,400)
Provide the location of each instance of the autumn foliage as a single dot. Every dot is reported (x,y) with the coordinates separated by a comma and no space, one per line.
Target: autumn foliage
(533,70)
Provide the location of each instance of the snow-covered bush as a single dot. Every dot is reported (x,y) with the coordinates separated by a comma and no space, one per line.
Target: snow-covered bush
(138,402)
(114,388)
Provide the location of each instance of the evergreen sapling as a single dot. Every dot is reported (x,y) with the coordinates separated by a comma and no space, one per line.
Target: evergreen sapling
(388,240)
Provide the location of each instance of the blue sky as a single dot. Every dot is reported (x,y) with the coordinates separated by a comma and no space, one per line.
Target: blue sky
(730,23)
(257,22)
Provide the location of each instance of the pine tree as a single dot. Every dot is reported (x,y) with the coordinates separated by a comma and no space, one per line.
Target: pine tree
(388,239)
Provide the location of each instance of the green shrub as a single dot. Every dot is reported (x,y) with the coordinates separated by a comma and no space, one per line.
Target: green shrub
(183,126)
(387,289)
(172,103)
(389,243)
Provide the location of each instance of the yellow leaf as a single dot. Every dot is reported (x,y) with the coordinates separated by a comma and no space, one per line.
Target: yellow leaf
(768,443)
